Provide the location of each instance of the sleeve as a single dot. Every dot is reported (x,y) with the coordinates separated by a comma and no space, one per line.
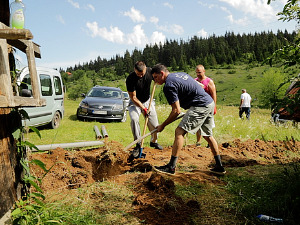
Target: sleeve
(170,93)
(129,84)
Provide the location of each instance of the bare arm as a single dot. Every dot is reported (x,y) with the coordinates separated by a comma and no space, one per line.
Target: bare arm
(172,116)
(135,100)
(242,100)
(212,90)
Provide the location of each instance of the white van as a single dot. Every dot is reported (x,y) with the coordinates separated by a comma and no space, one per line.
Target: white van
(51,89)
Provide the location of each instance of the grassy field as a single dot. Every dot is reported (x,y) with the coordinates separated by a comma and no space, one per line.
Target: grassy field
(247,191)
(228,127)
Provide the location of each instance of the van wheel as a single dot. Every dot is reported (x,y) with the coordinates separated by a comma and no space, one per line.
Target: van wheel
(56,120)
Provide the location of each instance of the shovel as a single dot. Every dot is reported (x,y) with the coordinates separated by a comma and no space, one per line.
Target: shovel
(148,134)
(146,123)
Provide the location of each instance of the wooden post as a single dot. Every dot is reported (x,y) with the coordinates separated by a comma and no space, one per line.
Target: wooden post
(10,168)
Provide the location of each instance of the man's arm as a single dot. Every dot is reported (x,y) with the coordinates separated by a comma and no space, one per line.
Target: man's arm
(242,100)
(172,116)
(212,90)
(135,100)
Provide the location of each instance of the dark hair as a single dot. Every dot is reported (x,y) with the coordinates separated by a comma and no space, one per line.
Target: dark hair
(158,68)
(139,66)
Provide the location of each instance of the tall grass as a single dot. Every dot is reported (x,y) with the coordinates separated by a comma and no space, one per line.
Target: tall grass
(228,127)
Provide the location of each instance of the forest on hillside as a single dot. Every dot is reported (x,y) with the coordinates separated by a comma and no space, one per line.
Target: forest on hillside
(181,55)
(215,51)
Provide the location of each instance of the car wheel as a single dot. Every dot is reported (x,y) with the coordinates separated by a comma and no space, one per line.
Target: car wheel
(56,120)
(77,115)
(124,117)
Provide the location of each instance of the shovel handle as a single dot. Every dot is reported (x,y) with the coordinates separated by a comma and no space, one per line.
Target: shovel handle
(146,135)
(146,119)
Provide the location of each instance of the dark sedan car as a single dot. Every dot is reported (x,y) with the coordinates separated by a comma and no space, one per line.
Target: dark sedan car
(105,103)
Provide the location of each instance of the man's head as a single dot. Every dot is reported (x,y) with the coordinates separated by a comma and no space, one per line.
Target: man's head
(200,71)
(159,73)
(244,90)
(140,68)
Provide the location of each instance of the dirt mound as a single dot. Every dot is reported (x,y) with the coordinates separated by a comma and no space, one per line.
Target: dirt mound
(155,193)
(72,169)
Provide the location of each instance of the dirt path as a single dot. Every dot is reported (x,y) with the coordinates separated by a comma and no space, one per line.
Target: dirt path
(74,169)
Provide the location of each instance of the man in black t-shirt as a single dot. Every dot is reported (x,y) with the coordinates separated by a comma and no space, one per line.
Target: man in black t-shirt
(138,85)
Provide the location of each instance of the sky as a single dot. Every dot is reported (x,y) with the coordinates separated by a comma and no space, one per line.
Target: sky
(70,32)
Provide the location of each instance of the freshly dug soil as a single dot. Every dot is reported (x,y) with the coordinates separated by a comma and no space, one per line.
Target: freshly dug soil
(154,193)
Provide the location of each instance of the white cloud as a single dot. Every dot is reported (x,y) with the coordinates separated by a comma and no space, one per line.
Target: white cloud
(177,29)
(210,6)
(257,8)
(202,33)
(167,4)
(60,19)
(154,19)
(174,28)
(243,21)
(114,34)
(157,37)
(75,4)
(137,37)
(91,7)
(135,15)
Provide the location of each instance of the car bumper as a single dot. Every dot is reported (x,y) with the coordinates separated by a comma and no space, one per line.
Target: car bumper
(99,114)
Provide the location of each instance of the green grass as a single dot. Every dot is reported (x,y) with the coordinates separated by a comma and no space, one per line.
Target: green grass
(228,127)
(247,191)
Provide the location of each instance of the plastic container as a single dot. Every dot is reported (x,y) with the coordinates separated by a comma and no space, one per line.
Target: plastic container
(17,14)
(270,219)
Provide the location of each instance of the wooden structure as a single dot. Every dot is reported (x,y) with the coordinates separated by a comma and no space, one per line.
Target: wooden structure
(11,172)
(17,39)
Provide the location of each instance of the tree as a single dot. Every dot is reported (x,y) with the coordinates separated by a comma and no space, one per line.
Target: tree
(271,89)
(289,55)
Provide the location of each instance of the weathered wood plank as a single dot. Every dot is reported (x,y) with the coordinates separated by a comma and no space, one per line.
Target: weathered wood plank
(5,80)
(15,34)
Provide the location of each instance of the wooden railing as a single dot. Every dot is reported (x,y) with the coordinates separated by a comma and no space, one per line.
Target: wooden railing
(20,39)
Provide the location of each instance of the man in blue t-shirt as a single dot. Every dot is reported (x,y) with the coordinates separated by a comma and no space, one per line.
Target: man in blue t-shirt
(181,90)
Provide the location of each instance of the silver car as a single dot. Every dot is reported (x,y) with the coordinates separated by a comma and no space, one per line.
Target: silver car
(126,97)
(104,103)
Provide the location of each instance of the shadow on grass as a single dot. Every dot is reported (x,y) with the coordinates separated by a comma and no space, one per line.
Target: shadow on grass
(74,118)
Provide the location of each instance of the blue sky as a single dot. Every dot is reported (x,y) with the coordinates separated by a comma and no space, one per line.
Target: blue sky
(76,31)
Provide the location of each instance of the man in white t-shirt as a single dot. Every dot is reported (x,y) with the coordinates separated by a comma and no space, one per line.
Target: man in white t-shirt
(245,104)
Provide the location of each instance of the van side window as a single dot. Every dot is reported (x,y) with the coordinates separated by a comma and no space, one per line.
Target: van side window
(57,86)
(46,85)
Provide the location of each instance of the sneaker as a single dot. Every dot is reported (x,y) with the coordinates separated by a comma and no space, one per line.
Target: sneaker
(135,152)
(156,146)
(218,170)
(165,169)
(198,144)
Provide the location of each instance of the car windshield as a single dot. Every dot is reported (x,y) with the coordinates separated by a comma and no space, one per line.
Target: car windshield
(104,93)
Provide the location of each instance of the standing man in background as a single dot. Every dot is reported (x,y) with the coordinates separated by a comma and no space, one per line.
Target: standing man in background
(138,85)
(210,88)
(245,104)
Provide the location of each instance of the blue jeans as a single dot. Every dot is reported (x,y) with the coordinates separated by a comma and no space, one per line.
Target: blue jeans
(247,112)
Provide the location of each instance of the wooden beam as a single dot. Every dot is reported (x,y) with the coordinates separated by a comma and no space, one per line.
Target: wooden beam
(15,34)
(21,45)
(32,70)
